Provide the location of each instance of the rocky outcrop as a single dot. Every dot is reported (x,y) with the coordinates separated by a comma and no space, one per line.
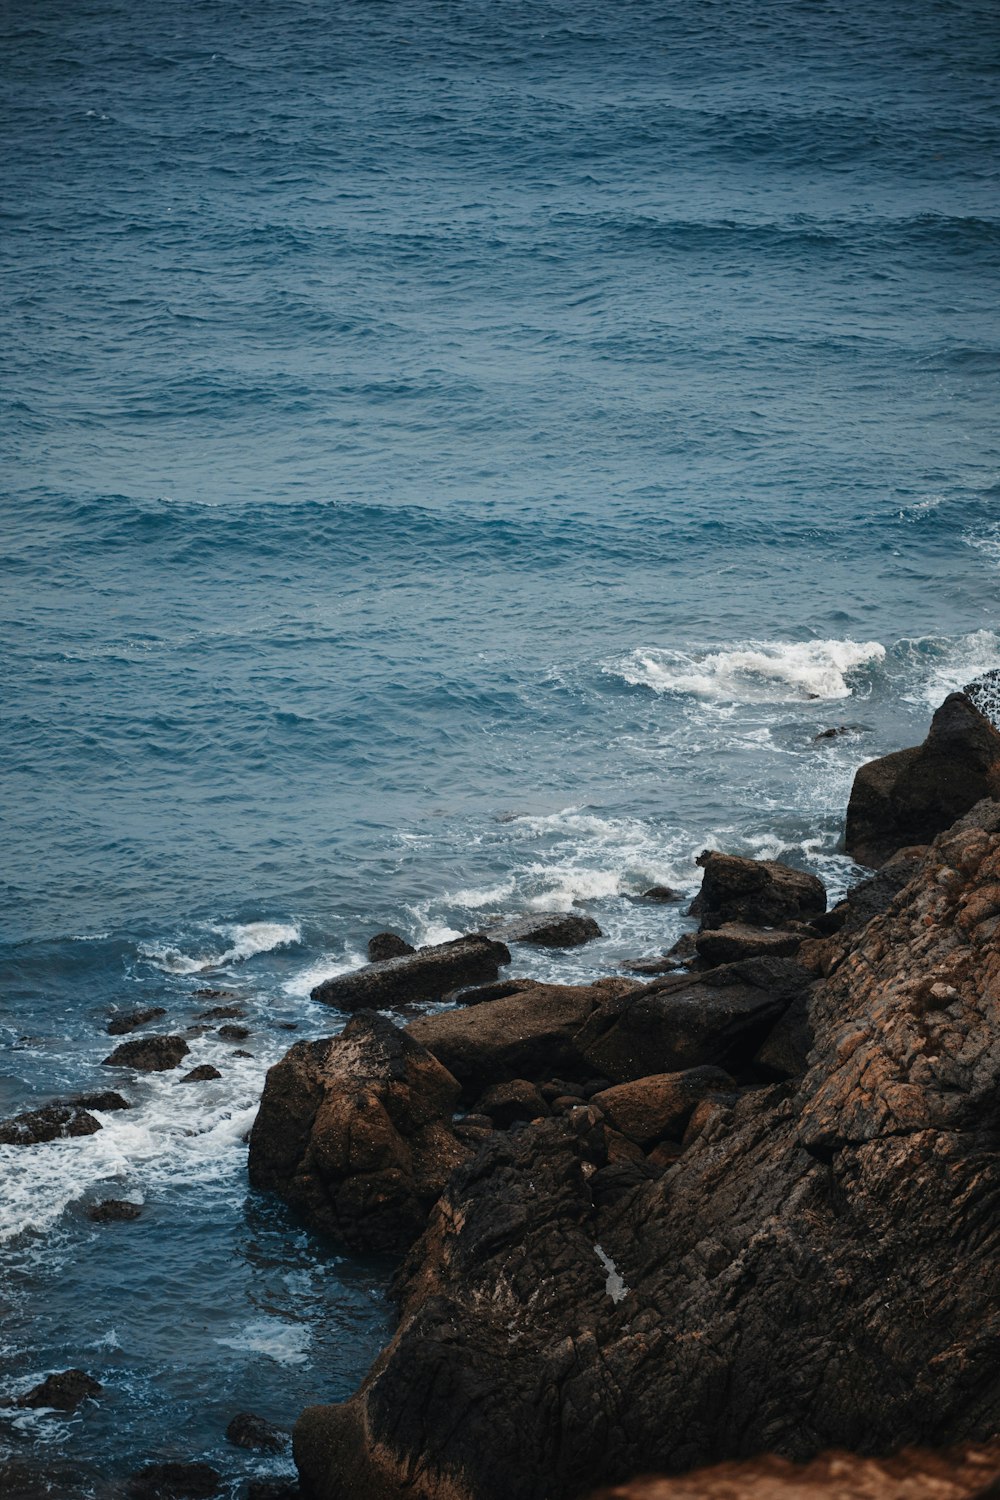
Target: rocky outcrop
(354,1132)
(60,1119)
(552,929)
(62,1392)
(149,1054)
(818,1267)
(131,1020)
(426,974)
(755,892)
(912,795)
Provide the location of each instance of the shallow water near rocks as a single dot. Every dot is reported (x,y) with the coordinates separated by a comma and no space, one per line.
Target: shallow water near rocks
(456,461)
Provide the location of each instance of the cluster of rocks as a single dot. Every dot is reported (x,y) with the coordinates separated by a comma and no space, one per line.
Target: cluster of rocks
(747,1206)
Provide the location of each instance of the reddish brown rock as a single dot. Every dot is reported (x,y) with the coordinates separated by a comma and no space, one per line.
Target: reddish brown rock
(426,974)
(660,1105)
(507,1103)
(735,940)
(757,892)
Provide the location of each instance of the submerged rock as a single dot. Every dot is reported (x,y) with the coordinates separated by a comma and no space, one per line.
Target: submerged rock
(387,945)
(556,929)
(114,1211)
(62,1392)
(249,1431)
(204,1073)
(664,893)
(119,1024)
(912,795)
(149,1054)
(426,974)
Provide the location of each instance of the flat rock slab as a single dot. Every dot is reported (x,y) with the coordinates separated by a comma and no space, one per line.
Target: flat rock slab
(759,892)
(555,929)
(149,1054)
(130,1021)
(735,940)
(426,974)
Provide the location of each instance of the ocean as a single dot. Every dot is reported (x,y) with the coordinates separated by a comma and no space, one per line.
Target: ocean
(456,458)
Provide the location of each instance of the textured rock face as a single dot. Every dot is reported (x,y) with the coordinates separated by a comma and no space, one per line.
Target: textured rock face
(54,1122)
(388,945)
(353,1132)
(819,1268)
(912,795)
(426,974)
(758,892)
(553,929)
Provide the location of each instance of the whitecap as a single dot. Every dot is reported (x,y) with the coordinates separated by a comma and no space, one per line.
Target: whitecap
(287,1343)
(301,985)
(754,672)
(946,665)
(247,939)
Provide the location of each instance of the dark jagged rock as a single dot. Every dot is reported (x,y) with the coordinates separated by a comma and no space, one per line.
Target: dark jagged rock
(105,1100)
(119,1024)
(63,1392)
(203,1073)
(871,897)
(784,1052)
(735,940)
(426,974)
(661,1105)
(664,893)
(114,1211)
(387,945)
(819,1269)
(249,1431)
(52,1123)
(223,1013)
(175,1481)
(231,1033)
(149,1054)
(719,1017)
(758,892)
(354,1132)
(553,929)
(912,795)
(669,963)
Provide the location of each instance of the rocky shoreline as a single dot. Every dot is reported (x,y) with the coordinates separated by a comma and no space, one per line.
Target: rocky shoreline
(732,1211)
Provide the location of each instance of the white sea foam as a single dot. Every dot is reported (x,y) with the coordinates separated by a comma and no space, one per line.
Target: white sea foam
(301,985)
(946,665)
(754,672)
(987,541)
(488,895)
(247,939)
(288,1343)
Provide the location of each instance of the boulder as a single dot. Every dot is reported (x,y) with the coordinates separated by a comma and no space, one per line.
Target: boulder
(912,795)
(149,1054)
(231,1033)
(354,1131)
(52,1123)
(758,892)
(114,1211)
(119,1024)
(664,893)
(426,974)
(387,945)
(249,1431)
(529,1035)
(62,1392)
(506,1104)
(105,1100)
(735,940)
(175,1481)
(819,1269)
(203,1073)
(651,1108)
(554,929)
(719,1017)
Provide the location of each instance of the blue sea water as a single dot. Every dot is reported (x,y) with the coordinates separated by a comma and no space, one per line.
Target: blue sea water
(456,458)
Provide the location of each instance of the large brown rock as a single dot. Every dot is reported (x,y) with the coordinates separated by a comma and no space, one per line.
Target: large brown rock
(651,1108)
(757,892)
(819,1269)
(426,974)
(354,1132)
(912,795)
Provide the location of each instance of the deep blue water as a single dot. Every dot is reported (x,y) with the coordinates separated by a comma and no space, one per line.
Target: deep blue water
(456,457)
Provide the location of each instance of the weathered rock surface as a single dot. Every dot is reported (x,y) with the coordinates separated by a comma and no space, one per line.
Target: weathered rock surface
(354,1132)
(426,974)
(149,1054)
(912,795)
(954,1474)
(51,1123)
(651,1108)
(387,945)
(552,929)
(63,1392)
(819,1269)
(757,892)
(507,1103)
(735,940)
(118,1025)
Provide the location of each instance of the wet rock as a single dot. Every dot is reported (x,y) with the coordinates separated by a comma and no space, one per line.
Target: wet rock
(758,892)
(498,991)
(52,1123)
(119,1024)
(651,1108)
(203,1073)
(387,945)
(426,974)
(106,1100)
(223,1013)
(213,994)
(735,940)
(664,893)
(719,1017)
(231,1033)
(355,1133)
(837,731)
(114,1211)
(249,1431)
(668,963)
(530,1035)
(507,1103)
(819,1268)
(63,1392)
(912,795)
(557,929)
(149,1054)
(175,1481)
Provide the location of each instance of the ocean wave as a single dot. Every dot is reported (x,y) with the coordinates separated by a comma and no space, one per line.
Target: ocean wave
(938,665)
(758,671)
(247,939)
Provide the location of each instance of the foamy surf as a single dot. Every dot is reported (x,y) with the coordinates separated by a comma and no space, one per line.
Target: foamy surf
(757,672)
(247,939)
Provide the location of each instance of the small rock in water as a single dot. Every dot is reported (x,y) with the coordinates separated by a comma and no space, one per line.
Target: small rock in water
(54,1122)
(114,1211)
(836,731)
(202,1074)
(232,1033)
(209,994)
(223,1013)
(149,1054)
(387,945)
(174,1481)
(662,893)
(119,1024)
(554,929)
(63,1392)
(249,1431)
(108,1101)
